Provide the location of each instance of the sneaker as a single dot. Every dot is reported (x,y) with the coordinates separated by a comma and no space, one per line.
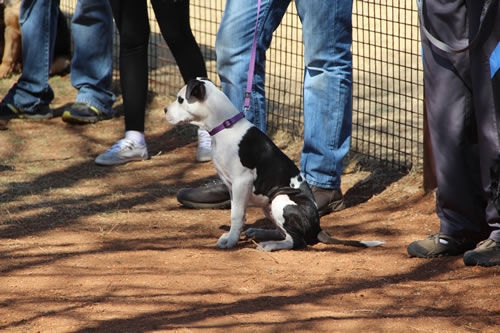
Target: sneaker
(439,244)
(83,113)
(123,151)
(213,195)
(204,150)
(40,111)
(328,200)
(487,253)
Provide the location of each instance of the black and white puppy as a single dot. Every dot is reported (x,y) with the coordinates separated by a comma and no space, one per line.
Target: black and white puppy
(255,171)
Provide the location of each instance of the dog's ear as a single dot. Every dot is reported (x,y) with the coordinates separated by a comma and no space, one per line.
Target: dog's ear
(195,88)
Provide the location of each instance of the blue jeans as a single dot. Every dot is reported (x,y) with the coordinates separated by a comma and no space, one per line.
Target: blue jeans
(92,65)
(327,37)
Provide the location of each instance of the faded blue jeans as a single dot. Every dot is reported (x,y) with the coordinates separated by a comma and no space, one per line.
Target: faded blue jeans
(92,65)
(327,37)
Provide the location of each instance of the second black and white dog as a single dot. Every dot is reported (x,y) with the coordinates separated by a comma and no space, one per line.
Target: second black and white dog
(255,171)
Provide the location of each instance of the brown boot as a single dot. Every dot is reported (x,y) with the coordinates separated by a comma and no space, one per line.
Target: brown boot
(328,200)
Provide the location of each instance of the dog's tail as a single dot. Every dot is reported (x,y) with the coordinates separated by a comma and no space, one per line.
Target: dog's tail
(325,238)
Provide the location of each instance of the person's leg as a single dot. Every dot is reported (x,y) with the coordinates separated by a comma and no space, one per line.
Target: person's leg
(460,200)
(133,25)
(173,19)
(234,46)
(132,21)
(485,76)
(327,34)
(92,66)
(31,95)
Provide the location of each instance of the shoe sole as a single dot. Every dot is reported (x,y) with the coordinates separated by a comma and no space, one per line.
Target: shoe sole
(198,205)
(478,260)
(111,163)
(203,159)
(415,253)
(69,118)
(26,115)
(30,117)
(37,117)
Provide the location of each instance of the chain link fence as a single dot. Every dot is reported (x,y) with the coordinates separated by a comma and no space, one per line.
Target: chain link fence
(387,74)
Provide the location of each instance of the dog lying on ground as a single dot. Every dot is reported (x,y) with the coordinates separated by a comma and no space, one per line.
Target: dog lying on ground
(255,171)
(12,44)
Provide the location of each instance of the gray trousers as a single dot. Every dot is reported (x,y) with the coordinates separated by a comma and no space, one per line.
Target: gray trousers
(462,96)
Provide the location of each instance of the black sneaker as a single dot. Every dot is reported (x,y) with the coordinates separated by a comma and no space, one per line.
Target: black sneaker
(438,245)
(213,195)
(327,200)
(487,253)
(83,113)
(40,111)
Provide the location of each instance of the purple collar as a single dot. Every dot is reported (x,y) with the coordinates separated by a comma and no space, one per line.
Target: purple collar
(227,123)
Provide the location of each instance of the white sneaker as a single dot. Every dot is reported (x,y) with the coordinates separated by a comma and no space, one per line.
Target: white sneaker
(204,151)
(123,151)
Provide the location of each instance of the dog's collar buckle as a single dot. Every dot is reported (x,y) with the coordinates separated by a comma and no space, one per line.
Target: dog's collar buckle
(227,123)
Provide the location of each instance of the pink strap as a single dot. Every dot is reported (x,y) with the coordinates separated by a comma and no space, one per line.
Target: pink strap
(251,67)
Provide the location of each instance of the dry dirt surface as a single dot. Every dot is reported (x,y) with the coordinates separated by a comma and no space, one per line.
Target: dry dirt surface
(86,248)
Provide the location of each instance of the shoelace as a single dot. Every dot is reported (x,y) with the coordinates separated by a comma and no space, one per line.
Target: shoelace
(204,139)
(438,237)
(122,145)
(487,243)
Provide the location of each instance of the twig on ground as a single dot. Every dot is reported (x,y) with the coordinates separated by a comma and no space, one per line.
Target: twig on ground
(262,249)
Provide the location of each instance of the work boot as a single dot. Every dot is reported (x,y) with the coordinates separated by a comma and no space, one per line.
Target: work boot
(213,195)
(328,200)
(439,244)
(487,253)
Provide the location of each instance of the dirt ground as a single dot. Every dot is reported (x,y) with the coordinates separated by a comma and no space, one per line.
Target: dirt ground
(109,249)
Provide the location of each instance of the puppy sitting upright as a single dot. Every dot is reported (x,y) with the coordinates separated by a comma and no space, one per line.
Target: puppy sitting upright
(254,170)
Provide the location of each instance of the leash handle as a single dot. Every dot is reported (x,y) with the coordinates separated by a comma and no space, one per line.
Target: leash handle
(251,67)
(442,45)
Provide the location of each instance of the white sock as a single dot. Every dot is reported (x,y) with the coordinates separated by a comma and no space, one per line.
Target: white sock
(136,136)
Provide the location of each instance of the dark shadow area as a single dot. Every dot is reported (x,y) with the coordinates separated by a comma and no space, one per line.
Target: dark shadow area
(191,315)
(65,211)
(4,167)
(376,182)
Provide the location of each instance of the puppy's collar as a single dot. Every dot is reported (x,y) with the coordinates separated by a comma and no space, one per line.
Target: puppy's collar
(227,123)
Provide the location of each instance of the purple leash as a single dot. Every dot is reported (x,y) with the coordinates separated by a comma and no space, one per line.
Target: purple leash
(251,69)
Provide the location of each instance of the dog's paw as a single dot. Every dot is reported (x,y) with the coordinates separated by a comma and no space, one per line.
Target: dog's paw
(226,241)
(268,246)
(275,245)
